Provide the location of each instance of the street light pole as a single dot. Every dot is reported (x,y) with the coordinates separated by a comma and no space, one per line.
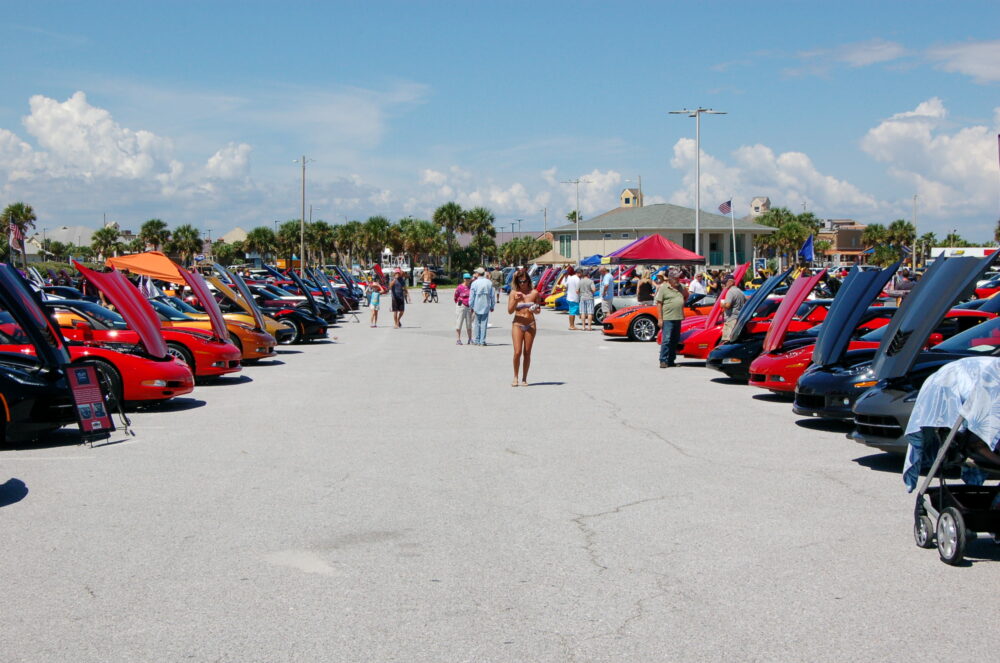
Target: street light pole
(696,114)
(302,219)
(577,221)
(913,256)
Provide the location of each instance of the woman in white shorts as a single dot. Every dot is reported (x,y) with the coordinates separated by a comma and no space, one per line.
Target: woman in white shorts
(463,314)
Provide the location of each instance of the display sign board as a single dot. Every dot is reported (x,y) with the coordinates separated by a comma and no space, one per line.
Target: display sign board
(91,413)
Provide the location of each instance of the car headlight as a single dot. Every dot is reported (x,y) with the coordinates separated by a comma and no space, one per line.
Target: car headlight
(154,383)
(857,369)
(732,360)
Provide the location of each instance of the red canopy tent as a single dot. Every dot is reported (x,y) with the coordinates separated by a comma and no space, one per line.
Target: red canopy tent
(653,249)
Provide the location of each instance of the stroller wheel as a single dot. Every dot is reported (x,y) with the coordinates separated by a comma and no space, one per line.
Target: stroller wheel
(951,536)
(923,532)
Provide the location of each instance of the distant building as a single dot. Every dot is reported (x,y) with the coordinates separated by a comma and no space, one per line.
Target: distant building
(759,205)
(631,198)
(844,236)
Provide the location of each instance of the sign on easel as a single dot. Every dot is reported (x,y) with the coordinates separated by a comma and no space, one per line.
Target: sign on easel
(91,413)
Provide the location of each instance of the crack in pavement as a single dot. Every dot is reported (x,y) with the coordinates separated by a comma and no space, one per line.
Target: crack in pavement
(589,533)
(616,414)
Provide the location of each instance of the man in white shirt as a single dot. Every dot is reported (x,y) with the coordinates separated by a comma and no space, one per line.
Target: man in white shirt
(696,289)
(482,299)
(572,296)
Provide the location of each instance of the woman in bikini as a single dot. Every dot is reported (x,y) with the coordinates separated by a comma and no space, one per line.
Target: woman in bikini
(523,303)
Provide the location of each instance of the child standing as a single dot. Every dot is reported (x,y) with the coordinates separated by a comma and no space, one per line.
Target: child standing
(375,291)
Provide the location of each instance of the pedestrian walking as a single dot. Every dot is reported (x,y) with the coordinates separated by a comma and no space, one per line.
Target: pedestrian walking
(732,303)
(523,303)
(572,296)
(669,301)
(400,296)
(426,279)
(496,276)
(375,291)
(586,301)
(463,314)
(482,301)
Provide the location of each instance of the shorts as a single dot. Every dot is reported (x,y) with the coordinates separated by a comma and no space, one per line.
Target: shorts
(586,307)
(574,308)
(606,305)
(463,316)
(398,304)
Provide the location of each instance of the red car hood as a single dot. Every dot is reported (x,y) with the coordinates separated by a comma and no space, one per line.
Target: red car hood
(796,294)
(131,305)
(713,315)
(208,303)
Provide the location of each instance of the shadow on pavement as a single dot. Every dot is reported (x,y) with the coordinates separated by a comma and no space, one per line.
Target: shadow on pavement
(773,398)
(728,381)
(267,362)
(12,491)
(844,426)
(224,381)
(282,351)
(882,462)
(173,405)
(544,384)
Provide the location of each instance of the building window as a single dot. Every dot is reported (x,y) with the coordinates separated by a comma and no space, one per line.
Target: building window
(607,235)
(624,235)
(566,245)
(756,208)
(628,201)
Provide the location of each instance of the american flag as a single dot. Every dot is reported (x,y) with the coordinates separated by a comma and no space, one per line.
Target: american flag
(726,207)
(16,238)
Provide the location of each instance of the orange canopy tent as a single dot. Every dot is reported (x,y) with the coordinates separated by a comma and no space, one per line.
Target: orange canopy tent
(152,264)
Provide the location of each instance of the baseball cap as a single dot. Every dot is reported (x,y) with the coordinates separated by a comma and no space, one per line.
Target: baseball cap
(480,270)
(466,275)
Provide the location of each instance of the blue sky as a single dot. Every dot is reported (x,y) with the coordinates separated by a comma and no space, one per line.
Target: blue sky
(194,112)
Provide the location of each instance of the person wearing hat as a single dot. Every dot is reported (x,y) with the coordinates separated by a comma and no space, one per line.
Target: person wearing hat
(482,300)
(400,296)
(463,314)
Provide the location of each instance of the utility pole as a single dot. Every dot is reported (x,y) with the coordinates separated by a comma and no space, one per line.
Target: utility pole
(302,219)
(915,236)
(545,219)
(577,182)
(696,114)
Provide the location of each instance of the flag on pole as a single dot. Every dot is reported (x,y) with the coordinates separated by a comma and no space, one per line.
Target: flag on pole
(726,207)
(16,237)
(806,252)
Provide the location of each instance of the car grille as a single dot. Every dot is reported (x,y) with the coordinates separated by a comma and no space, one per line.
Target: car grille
(809,401)
(877,426)
(608,325)
(758,377)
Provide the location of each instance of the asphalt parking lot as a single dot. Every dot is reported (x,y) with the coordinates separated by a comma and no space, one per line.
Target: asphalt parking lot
(390,497)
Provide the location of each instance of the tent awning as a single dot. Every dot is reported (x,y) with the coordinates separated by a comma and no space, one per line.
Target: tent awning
(552,257)
(653,249)
(152,264)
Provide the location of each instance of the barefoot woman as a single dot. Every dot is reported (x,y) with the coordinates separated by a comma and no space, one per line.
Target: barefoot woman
(523,303)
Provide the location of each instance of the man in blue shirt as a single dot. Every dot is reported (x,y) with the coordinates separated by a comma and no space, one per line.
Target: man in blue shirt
(482,299)
(607,291)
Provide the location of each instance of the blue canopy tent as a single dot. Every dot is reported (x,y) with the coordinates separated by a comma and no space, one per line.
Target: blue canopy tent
(592,260)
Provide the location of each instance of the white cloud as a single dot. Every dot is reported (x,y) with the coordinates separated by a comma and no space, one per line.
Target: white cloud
(867,53)
(229,163)
(980,60)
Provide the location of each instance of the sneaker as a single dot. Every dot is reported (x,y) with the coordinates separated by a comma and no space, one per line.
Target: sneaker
(663,364)
(458,342)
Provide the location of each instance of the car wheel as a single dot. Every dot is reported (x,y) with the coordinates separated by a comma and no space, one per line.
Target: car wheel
(235,340)
(951,536)
(111,383)
(289,324)
(642,328)
(923,532)
(175,349)
(599,314)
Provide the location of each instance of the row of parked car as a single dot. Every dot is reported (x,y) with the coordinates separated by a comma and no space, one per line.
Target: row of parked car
(856,356)
(151,340)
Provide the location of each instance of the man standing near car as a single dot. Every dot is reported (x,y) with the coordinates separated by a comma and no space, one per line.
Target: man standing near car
(482,300)
(572,296)
(732,302)
(669,306)
(607,291)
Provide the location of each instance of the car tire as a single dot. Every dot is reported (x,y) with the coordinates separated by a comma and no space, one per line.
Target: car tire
(296,334)
(178,350)
(111,381)
(951,536)
(923,532)
(642,328)
(599,314)
(235,340)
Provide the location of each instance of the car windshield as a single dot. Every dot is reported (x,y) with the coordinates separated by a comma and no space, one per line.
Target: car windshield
(767,307)
(279,292)
(11,332)
(106,317)
(182,305)
(982,339)
(169,312)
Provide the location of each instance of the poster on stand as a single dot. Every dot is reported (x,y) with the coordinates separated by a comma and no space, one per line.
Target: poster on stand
(91,412)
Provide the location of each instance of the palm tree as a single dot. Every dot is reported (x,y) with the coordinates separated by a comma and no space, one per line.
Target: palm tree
(420,239)
(874,235)
(154,233)
(322,239)
(996,233)
(20,215)
(571,217)
(479,221)
(954,239)
(375,236)
(260,240)
(287,240)
(450,217)
(790,236)
(901,234)
(185,242)
(105,242)
(926,241)
(349,238)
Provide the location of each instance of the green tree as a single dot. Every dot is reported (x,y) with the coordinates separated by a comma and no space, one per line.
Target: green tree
(154,233)
(901,234)
(322,239)
(450,217)
(287,239)
(954,239)
(884,255)
(375,236)
(56,250)
(227,254)
(261,240)
(349,240)
(420,239)
(106,243)
(185,241)
(924,245)
(571,217)
(874,235)
(996,233)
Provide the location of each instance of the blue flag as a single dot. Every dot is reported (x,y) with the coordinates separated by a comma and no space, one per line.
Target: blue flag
(806,252)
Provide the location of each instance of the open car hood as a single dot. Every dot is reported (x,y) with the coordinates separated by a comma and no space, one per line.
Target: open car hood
(796,294)
(756,299)
(252,310)
(713,316)
(131,305)
(322,282)
(306,291)
(23,305)
(204,295)
(922,310)
(858,291)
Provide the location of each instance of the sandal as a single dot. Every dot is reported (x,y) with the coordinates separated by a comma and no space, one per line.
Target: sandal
(514,383)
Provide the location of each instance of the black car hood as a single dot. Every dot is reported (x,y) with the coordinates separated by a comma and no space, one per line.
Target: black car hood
(756,299)
(859,289)
(922,310)
(305,290)
(26,309)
